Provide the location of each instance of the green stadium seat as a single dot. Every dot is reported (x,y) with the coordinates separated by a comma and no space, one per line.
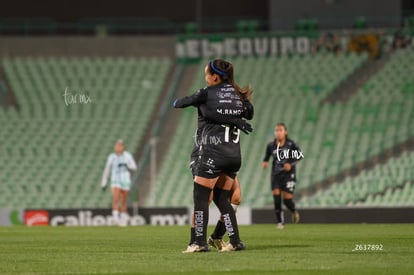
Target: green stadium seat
(58,147)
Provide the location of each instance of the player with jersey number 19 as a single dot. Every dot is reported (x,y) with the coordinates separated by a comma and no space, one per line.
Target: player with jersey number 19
(219,155)
(119,166)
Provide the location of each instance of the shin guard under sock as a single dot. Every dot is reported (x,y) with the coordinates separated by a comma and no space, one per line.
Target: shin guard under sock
(201,196)
(192,236)
(290,205)
(278,207)
(229,217)
(219,231)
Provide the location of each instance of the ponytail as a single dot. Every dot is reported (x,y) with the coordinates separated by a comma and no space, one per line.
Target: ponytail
(225,70)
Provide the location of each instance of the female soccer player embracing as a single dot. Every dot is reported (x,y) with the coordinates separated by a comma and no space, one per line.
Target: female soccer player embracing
(222,105)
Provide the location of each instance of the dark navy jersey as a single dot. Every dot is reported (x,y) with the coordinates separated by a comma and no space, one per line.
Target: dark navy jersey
(199,99)
(218,106)
(201,110)
(288,153)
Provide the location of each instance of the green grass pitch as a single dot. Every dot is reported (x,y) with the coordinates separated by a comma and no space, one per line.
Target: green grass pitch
(306,249)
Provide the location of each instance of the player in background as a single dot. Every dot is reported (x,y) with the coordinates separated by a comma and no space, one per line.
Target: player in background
(119,166)
(285,155)
(220,157)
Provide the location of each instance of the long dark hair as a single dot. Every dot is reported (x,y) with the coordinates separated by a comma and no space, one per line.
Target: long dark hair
(282,124)
(225,70)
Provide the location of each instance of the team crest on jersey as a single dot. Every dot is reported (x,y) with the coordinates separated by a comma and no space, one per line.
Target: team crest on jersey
(227,95)
(210,162)
(239,104)
(224,95)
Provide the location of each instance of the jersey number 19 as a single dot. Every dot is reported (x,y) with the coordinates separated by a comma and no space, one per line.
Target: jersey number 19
(235,132)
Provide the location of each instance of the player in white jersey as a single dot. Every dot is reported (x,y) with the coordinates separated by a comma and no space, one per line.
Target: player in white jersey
(119,166)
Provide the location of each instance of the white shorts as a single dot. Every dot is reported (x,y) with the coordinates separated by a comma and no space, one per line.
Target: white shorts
(126,186)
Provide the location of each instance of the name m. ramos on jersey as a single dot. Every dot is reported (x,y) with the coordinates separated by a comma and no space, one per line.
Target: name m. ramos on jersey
(229,111)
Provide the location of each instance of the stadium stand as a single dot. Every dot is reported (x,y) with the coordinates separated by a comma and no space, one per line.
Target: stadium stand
(382,116)
(55,151)
(390,184)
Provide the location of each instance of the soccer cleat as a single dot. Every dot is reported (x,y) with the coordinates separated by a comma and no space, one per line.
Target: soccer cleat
(189,249)
(216,243)
(280,226)
(229,247)
(295,217)
(196,248)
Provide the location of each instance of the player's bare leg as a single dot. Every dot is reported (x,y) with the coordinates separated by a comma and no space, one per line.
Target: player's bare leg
(288,201)
(124,212)
(115,204)
(236,197)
